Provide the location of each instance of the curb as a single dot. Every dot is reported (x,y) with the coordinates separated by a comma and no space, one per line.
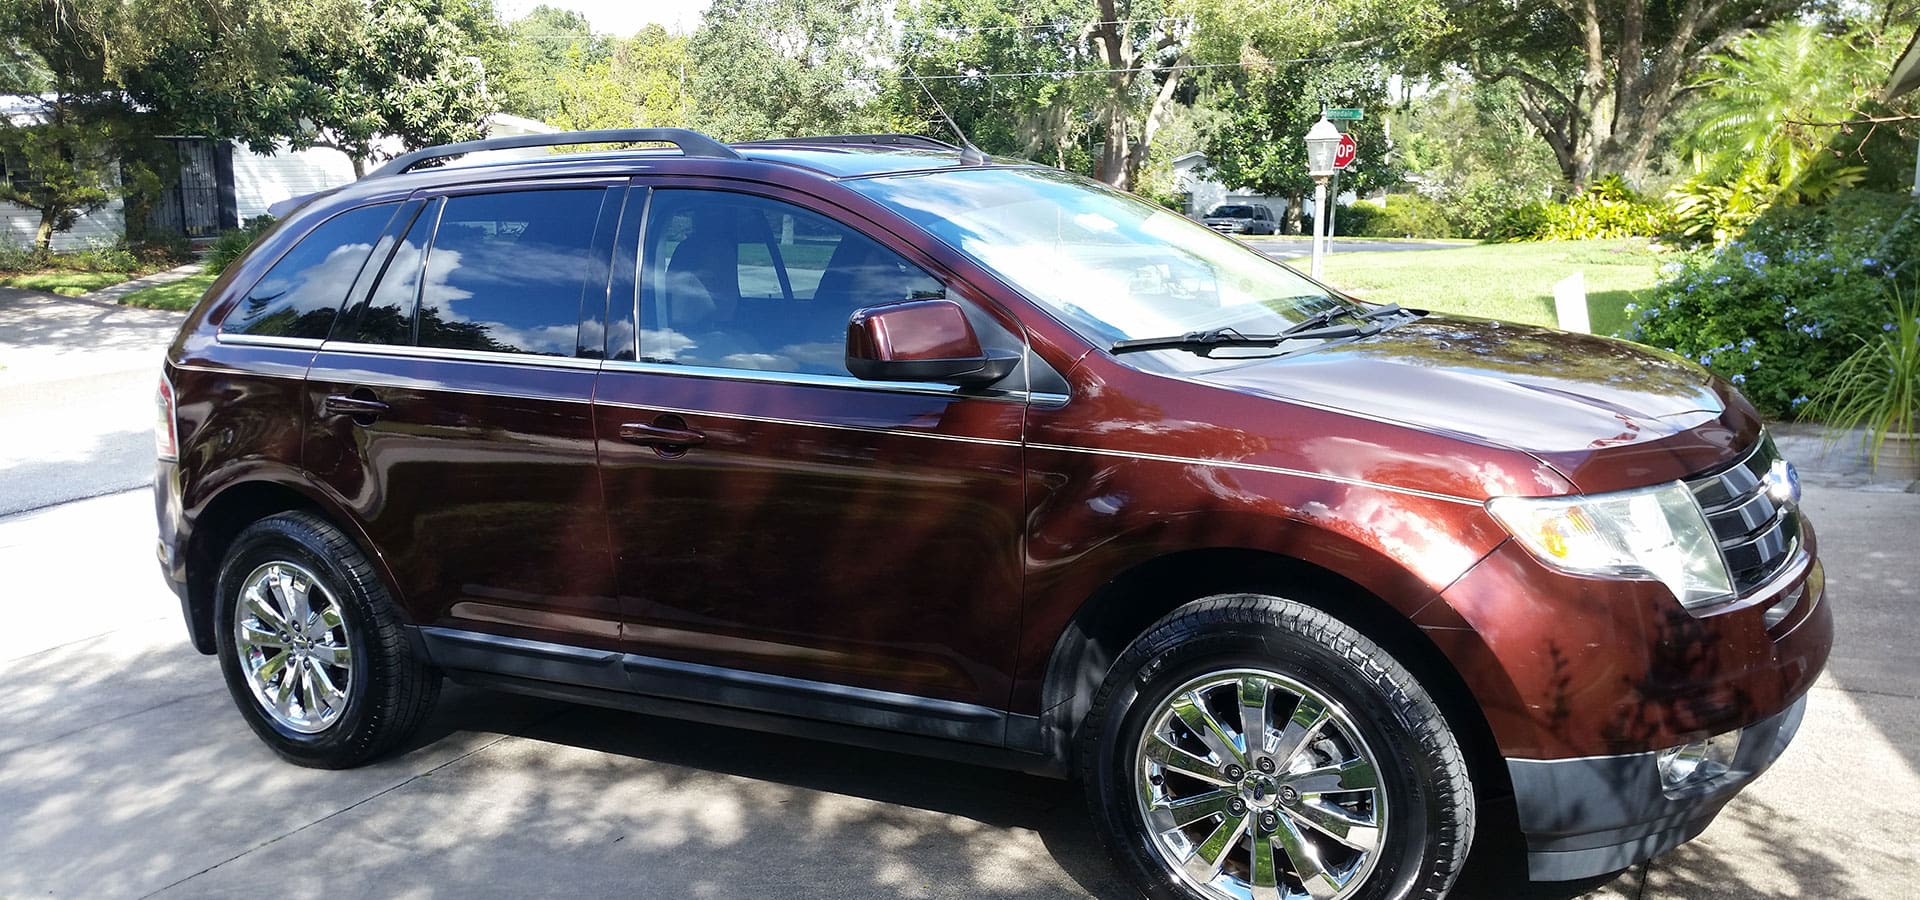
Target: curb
(113,293)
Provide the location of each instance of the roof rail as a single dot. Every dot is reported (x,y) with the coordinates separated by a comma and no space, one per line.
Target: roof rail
(881,140)
(691,143)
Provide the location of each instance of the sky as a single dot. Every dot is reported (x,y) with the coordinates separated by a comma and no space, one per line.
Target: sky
(618,17)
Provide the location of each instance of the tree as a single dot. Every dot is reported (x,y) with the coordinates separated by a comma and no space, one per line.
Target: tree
(641,85)
(973,56)
(1598,78)
(407,72)
(527,59)
(63,168)
(1470,146)
(1264,113)
(776,68)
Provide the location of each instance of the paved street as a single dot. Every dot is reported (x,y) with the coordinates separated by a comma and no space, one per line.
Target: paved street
(1286,247)
(76,396)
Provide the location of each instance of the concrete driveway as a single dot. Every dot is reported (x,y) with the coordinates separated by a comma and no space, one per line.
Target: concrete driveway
(77,379)
(125,772)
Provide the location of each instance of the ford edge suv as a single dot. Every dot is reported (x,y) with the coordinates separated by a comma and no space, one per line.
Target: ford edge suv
(877,440)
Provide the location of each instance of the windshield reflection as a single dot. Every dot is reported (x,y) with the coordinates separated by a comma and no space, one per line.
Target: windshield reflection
(1110,265)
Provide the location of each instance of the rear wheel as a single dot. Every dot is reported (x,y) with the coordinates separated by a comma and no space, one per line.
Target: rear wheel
(312,647)
(1253,747)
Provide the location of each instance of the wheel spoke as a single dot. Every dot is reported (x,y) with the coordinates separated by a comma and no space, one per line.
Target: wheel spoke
(1188,810)
(262,609)
(334,654)
(1352,775)
(1305,862)
(1253,714)
(1204,865)
(1337,822)
(309,695)
(269,671)
(294,594)
(1307,719)
(255,636)
(1265,872)
(1194,713)
(329,693)
(283,698)
(1162,751)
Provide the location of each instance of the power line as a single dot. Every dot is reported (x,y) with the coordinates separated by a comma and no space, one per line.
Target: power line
(1174,68)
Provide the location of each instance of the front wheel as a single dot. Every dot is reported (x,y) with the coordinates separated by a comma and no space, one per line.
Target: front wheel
(1254,747)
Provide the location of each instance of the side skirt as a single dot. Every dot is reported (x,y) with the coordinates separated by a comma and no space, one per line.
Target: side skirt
(905,723)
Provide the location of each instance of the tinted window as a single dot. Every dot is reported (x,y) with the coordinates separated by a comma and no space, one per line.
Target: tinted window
(301,294)
(387,317)
(505,272)
(745,282)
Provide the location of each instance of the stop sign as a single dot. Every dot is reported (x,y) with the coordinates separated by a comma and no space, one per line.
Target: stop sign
(1343,155)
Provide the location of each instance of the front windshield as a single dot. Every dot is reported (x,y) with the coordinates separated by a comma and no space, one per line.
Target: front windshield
(1231,212)
(1111,266)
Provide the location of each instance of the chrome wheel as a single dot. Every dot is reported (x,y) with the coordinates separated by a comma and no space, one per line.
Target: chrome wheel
(294,647)
(1254,786)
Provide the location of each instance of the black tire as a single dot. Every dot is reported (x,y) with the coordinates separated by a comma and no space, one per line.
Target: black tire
(1422,772)
(391,690)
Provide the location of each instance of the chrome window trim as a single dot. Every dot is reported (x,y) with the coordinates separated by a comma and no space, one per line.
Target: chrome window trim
(803,423)
(442,354)
(267,340)
(844,382)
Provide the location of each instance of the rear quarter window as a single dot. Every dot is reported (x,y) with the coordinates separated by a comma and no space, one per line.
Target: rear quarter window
(301,294)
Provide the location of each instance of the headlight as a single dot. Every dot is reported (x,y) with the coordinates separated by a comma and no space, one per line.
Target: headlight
(1655,533)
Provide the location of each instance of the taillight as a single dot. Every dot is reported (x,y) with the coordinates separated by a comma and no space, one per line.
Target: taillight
(166,433)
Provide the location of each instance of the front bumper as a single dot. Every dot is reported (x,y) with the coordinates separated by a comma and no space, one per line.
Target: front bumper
(1599,814)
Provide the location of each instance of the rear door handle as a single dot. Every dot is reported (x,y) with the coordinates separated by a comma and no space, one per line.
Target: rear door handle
(349,405)
(660,435)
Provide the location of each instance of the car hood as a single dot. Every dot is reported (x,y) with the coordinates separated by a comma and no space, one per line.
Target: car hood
(1561,397)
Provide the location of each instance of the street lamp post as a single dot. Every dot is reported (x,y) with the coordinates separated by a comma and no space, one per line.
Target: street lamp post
(1323,142)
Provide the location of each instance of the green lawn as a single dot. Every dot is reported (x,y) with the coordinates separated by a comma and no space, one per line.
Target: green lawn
(180,294)
(66,284)
(1503,281)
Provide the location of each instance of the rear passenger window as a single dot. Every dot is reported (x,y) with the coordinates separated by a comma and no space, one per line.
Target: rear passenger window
(742,282)
(506,272)
(300,295)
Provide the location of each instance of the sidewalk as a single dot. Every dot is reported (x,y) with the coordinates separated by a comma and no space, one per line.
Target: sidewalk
(113,293)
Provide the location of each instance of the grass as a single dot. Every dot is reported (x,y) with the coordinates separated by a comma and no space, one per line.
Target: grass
(1503,281)
(66,284)
(182,294)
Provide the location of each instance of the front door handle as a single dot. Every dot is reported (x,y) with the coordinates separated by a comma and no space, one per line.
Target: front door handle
(665,436)
(361,405)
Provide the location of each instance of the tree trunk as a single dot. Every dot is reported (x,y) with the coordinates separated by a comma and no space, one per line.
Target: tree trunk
(43,236)
(359,166)
(1295,202)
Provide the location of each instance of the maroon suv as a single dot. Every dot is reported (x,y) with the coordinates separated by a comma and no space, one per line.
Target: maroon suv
(877,440)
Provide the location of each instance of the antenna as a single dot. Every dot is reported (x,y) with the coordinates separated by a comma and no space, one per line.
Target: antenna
(969,154)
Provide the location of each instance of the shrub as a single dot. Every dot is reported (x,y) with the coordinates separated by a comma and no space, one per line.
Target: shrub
(1608,209)
(1402,215)
(21,259)
(230,244)
(1776,310)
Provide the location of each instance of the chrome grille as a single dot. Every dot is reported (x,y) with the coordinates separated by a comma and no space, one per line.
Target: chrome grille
(1757,534)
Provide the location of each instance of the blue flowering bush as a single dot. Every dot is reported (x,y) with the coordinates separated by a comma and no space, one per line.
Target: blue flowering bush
(1780,307)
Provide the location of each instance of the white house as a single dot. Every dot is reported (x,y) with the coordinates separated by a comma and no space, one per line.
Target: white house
(220,184)
(1195,184)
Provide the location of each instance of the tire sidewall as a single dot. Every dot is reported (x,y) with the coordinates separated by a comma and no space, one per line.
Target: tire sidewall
(282,540)
(1151,673)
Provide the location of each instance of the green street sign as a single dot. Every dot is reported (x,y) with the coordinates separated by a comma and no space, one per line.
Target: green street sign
(1343,113)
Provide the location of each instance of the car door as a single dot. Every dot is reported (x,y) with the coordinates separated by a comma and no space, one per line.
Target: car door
(451,410)
(772,515)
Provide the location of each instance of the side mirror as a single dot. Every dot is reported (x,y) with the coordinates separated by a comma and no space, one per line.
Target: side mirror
(921,340)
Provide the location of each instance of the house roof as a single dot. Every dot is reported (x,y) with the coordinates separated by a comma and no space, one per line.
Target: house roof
(1906,71)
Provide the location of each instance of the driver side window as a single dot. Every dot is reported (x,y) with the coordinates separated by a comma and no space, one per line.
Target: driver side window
(743,282)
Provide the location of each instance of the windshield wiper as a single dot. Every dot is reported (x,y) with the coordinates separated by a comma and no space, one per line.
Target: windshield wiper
(1381,312)
(1202,341)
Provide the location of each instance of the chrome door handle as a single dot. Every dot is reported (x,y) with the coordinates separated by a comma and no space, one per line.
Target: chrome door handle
(660,435)
(348,405)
